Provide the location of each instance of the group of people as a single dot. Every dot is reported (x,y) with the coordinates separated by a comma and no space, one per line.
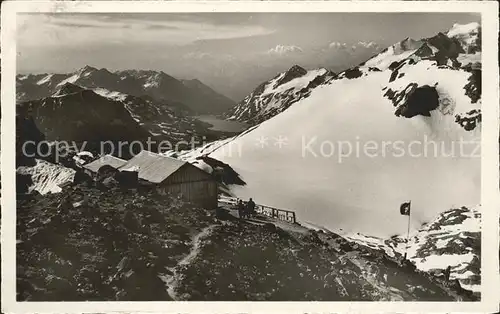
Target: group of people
(246,210)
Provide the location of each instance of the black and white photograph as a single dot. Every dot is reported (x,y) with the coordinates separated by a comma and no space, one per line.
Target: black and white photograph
(248,156)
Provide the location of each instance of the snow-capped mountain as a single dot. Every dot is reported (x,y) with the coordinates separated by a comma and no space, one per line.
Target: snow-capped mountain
(276,95)
(309,157)
(459,48)
(452,239)
(469,36)
(394,53)
(158,85)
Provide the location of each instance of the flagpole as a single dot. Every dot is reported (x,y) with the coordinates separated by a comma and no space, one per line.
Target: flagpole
(408,231)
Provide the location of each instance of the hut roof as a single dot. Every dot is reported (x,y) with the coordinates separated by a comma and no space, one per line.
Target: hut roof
(107,160)
(153,167)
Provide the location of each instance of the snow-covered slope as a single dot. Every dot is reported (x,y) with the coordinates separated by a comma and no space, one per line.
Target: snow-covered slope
(67,89)
(276,95)
(360,144)
(459,47)
(394,53)
(469,35)
(304,163)
(46,177)
(452,239)
(443,89)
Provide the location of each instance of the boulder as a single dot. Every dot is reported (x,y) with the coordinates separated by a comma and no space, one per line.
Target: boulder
(269,226)
(419,101)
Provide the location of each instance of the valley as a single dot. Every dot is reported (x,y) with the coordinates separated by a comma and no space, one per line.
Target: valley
(223,125)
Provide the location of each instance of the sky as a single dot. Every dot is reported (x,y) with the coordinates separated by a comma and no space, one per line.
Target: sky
(231,52)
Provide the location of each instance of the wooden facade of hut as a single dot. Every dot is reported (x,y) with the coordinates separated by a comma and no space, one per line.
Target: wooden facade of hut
(173,176)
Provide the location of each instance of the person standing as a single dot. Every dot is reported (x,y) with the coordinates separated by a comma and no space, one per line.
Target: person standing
(241,209)
(251,207)
(447,273)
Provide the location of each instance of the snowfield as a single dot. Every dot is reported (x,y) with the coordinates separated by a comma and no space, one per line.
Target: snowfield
(295,84)
(45,79)
(110,94)
(452,239)
(466,59)
(47,176)
(450,87)
(311,158)
(442,261)
(72,79)
(468,32)
(384,60)
(394,53)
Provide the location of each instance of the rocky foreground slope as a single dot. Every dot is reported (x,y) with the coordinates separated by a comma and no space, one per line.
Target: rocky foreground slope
(118,245)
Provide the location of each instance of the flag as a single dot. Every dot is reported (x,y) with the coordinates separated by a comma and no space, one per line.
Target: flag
(405,209)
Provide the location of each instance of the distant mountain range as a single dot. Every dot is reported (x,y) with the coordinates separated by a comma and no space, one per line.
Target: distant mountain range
(74,113)
(192,94)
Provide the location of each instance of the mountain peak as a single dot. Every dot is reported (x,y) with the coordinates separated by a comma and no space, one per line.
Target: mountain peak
(296,68)
(292,73)
(103,70)
(276,95)
(463,29)
(408,44)
(87,68)
(194,83)
(68,88)
(327,71)
(468,35)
